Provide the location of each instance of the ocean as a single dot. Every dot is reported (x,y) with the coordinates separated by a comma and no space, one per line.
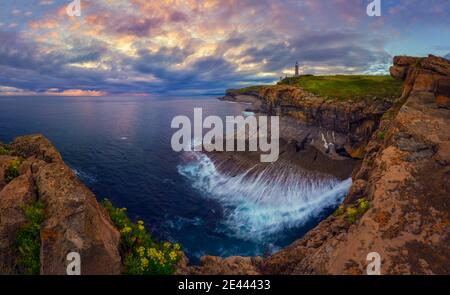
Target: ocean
(120,148)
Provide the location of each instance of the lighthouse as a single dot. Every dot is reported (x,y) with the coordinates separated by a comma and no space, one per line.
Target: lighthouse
(297,70)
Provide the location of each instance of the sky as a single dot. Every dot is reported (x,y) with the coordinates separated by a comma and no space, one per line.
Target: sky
(202,47)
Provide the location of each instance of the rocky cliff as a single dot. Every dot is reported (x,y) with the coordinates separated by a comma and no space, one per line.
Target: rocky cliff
(398,204)
(338,128)
(73,221)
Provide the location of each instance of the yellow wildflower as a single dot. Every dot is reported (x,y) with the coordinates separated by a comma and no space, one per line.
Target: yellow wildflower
(126,230)
(141,227)
(173,255)
(176,247)
(141,251)
(144,263)
(140,222)
(151,252)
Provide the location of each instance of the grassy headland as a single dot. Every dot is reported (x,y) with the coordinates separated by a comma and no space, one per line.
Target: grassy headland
(345,87)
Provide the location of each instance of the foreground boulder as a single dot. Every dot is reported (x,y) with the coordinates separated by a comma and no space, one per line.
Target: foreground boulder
(74,221)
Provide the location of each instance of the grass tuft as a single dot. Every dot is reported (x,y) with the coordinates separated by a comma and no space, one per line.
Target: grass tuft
(5,149)
(28,239)
(12,171)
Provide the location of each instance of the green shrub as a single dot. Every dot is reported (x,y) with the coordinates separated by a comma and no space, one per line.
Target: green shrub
(339,211)
(381,135)
(12,171)
(363,206)
(5,149)
(141,255)
(28,239)
(351,215)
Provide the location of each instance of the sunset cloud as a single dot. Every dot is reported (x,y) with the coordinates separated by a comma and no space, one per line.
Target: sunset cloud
(203,47)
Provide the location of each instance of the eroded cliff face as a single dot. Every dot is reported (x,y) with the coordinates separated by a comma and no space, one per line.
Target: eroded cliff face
(398,205)
(337,128)
(73,222)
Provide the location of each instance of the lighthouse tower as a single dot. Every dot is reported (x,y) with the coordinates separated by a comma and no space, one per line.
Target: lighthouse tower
(297,70)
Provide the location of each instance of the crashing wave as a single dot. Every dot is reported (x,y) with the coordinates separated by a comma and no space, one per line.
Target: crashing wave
(265,203)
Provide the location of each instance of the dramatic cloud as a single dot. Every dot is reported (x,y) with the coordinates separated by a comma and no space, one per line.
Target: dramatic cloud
(203,47)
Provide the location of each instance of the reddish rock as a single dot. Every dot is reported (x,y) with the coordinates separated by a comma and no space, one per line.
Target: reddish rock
(36,146)
(75,223)
(398,72)
(236,265)
(425,81)
(443,101)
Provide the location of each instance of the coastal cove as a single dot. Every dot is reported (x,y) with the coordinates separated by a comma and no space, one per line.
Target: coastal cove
(120,148)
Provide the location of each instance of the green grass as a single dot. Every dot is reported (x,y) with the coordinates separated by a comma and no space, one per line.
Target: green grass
(12,171)
(141,255)
(346,87)
(245,89)
(5,149)
(28,239)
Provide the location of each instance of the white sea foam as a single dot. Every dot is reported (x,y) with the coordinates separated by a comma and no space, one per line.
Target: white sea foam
(84,176)
(260,204)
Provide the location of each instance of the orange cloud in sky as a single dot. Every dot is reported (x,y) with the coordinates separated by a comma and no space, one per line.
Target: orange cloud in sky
(77,92)
(13,91)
